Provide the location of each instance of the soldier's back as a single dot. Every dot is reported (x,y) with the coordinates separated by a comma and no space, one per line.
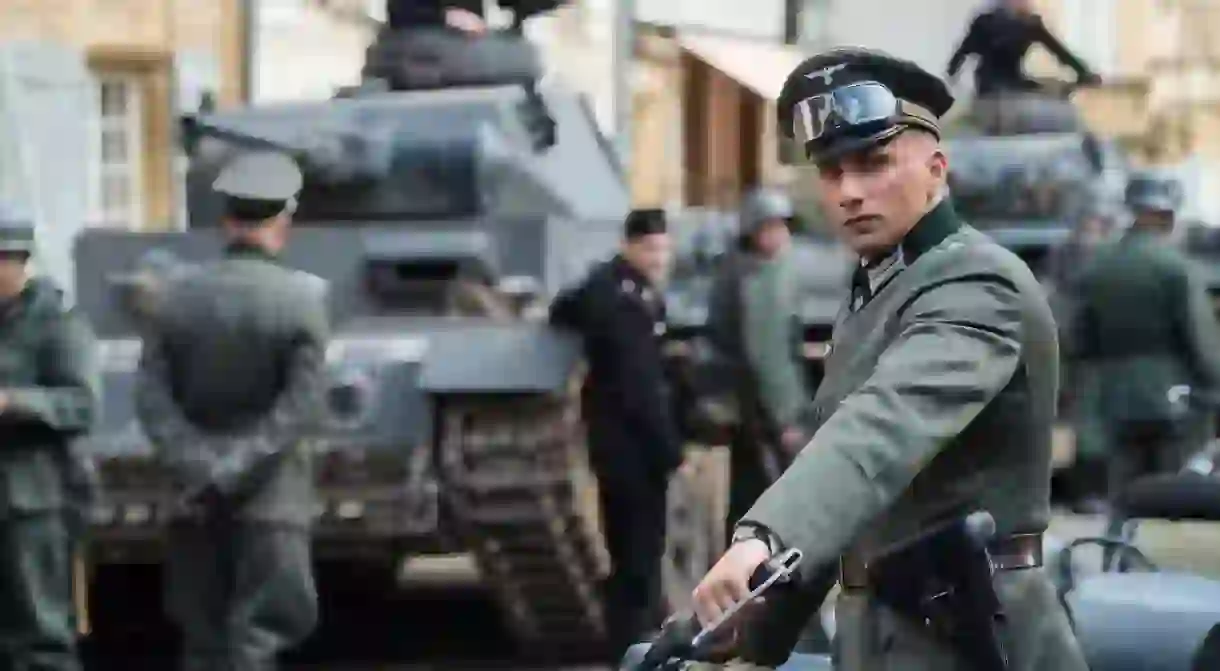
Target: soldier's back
(228,329)
(1130,290)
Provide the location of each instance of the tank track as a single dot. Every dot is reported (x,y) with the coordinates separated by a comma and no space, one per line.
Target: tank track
(518,494)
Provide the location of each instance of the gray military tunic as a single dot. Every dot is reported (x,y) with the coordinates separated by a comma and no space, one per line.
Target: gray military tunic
(230,383)
(938,399)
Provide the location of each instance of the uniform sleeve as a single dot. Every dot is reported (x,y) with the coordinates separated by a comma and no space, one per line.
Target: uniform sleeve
(958,348)
(162,420)
(769,344)
(969,45)
(1195,321)
(566,309)
(1085,340)
(68,398)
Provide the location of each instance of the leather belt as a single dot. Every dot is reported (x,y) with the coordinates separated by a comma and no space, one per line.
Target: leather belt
(1014,553)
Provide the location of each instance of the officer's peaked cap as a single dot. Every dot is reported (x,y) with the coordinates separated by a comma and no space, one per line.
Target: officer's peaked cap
(927,95)
(16,229)
(259,185)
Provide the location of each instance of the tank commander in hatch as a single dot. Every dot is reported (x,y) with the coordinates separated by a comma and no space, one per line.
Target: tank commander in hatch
(230,383)
(1000,38)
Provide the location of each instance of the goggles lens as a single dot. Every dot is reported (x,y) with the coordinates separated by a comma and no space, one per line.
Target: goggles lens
(842,109)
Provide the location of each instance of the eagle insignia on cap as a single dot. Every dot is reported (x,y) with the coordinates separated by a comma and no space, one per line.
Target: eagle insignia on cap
(826,73)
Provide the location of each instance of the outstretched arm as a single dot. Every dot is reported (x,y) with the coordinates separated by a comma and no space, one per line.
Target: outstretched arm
(1061,52)
(969,45)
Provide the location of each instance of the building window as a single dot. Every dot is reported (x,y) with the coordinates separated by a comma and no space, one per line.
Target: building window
(118,193)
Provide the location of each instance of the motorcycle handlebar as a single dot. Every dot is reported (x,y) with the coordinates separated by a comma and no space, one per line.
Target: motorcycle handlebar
(683,639)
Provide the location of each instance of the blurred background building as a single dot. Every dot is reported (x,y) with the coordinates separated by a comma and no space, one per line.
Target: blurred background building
(149,60)
(702,81)
(1161,63)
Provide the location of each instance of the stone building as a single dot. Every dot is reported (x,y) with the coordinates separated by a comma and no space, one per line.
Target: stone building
(150,59)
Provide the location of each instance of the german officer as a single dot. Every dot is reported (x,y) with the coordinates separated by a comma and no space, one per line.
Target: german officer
(48,396)
(230,381)
(633,441)
(940,386)
(1139,355)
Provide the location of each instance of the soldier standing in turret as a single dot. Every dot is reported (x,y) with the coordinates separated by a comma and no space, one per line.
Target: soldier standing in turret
(230,381)
(1000,38)
(48,396)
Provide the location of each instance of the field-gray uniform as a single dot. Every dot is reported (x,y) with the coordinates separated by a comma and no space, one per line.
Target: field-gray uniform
(230,383)
(938,398)
(1145,325)
(755,326)
(49,388)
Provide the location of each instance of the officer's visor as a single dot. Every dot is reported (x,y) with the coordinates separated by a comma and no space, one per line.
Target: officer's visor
(856,110)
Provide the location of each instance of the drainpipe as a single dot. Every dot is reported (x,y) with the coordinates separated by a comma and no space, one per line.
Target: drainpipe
(248,10)
(624,57)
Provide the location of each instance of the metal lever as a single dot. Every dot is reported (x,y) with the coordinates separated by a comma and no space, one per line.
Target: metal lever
(777,569)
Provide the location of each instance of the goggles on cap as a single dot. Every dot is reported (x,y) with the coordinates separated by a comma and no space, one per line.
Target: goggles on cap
(857,109)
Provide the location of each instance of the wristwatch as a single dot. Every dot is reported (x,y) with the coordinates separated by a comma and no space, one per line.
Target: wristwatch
(748,531)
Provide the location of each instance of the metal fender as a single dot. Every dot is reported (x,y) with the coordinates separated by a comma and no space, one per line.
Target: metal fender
(510,358)
(1135,621)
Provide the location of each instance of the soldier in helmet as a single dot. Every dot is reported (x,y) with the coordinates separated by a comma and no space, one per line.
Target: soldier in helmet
(1144,325)
(753,323)
(230,382)
(939,393)
(48,396)
(754,326)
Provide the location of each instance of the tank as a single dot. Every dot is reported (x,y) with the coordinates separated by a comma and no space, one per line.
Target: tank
(443,220)
(1024,168)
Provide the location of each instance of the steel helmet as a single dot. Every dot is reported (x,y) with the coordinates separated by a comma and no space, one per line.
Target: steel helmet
(762,205)
(1149,192)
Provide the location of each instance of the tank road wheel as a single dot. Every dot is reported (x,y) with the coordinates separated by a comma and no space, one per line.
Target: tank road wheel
(518,492)
(698,502)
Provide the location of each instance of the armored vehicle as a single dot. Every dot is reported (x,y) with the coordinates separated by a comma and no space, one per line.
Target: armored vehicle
(443,221)
(1024,168)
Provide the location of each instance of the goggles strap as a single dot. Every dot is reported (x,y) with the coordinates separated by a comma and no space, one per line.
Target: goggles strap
(920,116)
